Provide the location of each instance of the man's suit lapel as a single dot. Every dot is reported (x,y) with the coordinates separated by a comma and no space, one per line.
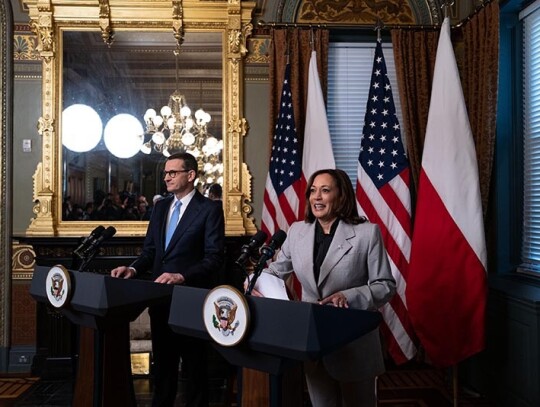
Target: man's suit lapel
(339,246)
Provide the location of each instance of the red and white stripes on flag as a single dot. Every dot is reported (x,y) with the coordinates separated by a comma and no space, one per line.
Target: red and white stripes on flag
(384,198)
(447,287)
(290,166)
(283,192)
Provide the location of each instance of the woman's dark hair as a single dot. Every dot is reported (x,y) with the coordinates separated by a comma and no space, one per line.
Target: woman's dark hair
(190,162)
(345,209)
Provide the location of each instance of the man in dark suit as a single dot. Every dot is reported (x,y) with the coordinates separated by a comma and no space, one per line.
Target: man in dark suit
(184,245)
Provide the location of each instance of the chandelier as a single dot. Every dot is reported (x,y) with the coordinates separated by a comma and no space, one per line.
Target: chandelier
(175,130)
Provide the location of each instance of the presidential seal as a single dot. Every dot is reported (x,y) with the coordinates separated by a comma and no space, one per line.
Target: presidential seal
(226,315)
(58,286)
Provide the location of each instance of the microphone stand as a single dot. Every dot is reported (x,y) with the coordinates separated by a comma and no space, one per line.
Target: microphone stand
(76,260)
(86,259)
(255,275)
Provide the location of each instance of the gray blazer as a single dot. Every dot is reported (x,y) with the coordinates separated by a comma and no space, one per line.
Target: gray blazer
(356,264)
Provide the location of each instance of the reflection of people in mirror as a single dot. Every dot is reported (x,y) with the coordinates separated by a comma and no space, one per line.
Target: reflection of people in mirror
(215,192)
(340,260)
(184,244)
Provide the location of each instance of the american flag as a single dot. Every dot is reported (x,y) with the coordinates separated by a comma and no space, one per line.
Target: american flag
(383,196)
(284,192)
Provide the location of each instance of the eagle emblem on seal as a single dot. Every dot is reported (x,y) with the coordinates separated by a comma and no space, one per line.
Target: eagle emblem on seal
(225,315)
(57,286)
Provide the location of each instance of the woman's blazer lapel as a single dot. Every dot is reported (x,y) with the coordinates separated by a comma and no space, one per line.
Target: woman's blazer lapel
(338,248)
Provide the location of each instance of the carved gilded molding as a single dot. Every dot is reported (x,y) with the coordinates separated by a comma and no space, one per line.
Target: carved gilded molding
(22,261)
(178,21)
(355,12)
(105,22)
(49,17)
(258,50)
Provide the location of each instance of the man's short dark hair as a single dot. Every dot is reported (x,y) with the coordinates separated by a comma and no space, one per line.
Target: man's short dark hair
(190,162)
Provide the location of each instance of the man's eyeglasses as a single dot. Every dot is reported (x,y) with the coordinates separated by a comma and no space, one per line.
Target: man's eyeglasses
(173,173)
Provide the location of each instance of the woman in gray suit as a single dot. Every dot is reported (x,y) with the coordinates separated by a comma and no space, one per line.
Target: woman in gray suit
(340,260)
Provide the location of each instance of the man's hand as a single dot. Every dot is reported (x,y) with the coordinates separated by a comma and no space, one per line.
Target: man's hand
(170,278)
(123,272)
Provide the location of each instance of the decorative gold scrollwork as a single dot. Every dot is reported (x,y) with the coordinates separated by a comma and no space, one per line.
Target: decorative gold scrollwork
(105,22)
(178,22)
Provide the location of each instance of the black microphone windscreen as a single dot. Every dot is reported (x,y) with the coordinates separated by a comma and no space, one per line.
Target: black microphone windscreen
(108,233)
(278,238)
(259,238)
(97,231)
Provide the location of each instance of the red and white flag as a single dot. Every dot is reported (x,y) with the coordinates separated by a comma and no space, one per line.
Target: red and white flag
(447,284)
(290,166)
(317,144)
(384,198)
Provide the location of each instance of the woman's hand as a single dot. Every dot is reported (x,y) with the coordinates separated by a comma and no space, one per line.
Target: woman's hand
(337,300)
(254,292)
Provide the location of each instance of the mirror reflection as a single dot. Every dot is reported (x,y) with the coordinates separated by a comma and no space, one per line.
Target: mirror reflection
(126,108)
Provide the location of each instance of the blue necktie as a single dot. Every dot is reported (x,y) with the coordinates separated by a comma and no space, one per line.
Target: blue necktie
(173,222)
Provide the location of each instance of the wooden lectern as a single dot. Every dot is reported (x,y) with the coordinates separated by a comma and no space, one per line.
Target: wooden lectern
(103,307)
(280,332)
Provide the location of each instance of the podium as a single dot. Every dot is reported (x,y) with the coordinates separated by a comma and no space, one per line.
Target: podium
(280,332)
(103,307)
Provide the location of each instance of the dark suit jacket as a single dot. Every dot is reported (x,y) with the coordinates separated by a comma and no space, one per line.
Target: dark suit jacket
(196,248)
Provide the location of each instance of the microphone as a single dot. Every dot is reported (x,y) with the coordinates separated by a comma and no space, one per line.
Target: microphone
(254,243)
(267,252)
(94,245)
(89,239)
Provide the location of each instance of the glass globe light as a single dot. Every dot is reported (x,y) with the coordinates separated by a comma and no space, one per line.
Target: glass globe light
(207,118)
(185,111)
(188,138)
(199,114)
(165,111)
(212,142)
(158,121)
(166,153)
(81,128)
(220,181)
(146,148)
(158,137)
(123,135)
(171,122)
(207,167)
(149,115)
(189,123)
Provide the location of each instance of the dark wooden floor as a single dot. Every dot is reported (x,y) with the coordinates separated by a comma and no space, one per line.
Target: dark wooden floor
(417,386)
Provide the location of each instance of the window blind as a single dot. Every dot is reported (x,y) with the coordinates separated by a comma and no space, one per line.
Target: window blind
(531,138)
(349,76)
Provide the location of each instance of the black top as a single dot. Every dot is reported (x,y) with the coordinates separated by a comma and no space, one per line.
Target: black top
(322,243)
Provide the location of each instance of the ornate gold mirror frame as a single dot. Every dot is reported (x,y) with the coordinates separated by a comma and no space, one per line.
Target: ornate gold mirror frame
(49,17)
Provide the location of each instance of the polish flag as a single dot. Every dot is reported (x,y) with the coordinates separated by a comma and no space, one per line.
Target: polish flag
(447,285)
(317,154)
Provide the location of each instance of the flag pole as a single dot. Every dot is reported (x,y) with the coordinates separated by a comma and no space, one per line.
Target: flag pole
(455,385)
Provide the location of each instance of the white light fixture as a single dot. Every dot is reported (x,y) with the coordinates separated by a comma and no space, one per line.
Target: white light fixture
(81,128)
(123,135)
(175,130)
